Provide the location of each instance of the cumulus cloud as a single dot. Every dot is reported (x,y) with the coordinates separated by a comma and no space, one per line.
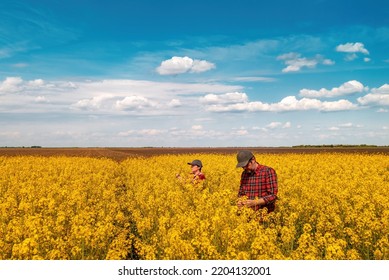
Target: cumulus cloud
(384,89)
(274,125)
(179,65)
(352,48)
(133,103)
(105,96)
(295,62)
(93,103)
(289,103)
(11,85)
(377,97)
(345,126)
(227,98)
(346,88)
(174,103)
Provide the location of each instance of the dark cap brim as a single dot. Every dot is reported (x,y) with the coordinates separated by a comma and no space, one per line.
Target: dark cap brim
(242,164)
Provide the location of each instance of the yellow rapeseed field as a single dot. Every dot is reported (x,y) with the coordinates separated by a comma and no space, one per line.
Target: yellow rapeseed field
(330,206)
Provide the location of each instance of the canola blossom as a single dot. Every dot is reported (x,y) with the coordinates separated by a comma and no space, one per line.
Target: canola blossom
(331,206)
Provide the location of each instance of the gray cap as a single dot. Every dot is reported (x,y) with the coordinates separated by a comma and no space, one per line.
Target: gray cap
(243,158)
(196,162)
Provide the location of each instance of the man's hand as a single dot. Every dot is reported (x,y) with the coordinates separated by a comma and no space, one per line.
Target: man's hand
(251,202)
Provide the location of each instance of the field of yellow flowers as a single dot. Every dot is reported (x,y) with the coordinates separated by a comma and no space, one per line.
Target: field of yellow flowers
(330,206)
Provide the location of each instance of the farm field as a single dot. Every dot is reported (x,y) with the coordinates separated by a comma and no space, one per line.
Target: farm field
(120,154)
(332,205)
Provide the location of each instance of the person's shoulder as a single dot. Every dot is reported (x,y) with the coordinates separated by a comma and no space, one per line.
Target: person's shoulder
(265,168)
(201,176)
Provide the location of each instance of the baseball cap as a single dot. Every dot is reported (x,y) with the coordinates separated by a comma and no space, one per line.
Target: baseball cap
(243,158)
(196,162)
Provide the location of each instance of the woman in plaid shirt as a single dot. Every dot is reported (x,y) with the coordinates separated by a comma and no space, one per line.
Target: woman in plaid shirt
(258,183)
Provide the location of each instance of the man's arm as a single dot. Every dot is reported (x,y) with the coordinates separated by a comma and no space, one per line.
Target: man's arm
(271,186)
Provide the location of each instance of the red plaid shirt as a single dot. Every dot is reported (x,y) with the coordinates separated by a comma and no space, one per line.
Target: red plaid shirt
(262,183)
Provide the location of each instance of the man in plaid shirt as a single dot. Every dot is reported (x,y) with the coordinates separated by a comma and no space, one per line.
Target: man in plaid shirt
(258,183)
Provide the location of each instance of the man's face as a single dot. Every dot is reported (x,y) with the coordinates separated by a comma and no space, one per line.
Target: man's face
(249,166)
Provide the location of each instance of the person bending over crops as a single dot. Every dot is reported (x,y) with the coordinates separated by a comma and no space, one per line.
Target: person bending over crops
(258,185)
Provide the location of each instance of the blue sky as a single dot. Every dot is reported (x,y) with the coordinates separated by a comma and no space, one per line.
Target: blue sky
(193,73)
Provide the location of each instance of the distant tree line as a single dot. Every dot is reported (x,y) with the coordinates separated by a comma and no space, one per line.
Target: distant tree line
(337,146)
(22,147)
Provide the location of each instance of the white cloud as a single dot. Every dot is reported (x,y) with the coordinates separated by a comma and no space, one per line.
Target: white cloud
(350,125)
(133,103)
(328,62)
(374,99)
(227,98)
(197,127)
(377,97)
(41,99)
(347,88)
(273,125)
(174,103)
(345,126)
(11,85)
(93,103)
(179,65)
(239,107)
(104,96)
(36,83)
(199,66)
(384,89)
(352,48)
(289,103)
(366,59)
(287,125)
(295,62)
